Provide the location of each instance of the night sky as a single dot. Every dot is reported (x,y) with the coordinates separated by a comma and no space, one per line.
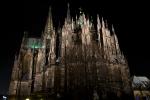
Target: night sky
(130,19)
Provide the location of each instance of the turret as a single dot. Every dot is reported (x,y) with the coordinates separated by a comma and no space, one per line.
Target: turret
(117,45)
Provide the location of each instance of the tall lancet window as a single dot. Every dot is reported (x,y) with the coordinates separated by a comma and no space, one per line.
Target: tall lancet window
(27,63)
(77,35)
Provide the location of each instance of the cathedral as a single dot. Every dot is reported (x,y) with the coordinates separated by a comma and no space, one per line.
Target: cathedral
(78,61)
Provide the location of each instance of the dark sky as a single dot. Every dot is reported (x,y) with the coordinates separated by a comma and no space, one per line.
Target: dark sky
(130,19)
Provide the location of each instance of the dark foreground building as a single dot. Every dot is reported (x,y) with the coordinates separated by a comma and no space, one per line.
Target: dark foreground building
(77,61)
(141,87)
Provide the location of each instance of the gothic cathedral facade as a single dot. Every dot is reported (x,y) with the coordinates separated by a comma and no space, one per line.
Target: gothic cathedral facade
(77,57)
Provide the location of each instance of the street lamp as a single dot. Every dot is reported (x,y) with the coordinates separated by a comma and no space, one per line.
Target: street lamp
(27,99)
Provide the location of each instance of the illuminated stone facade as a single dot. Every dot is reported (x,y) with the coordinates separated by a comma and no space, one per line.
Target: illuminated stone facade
(75,59)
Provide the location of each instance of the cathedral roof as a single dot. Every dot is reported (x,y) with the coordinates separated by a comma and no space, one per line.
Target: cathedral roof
(33,43)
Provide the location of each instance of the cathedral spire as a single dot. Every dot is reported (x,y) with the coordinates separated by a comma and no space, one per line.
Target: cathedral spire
(49,24)
(50,21)
(49,40)
(68,14)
